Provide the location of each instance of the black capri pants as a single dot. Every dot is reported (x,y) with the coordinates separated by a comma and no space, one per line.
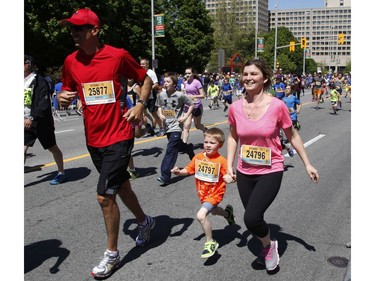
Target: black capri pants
(257,192)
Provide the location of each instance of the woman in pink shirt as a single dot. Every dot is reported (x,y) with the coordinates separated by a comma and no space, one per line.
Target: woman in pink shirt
(255,122)
(194,90)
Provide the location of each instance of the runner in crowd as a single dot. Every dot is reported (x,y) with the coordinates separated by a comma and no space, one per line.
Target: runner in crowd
(255,122)
(108,124)
(317,89)
(194,91)
(226,92)
(38,119)
(151,109)
(171,104)
(209,168)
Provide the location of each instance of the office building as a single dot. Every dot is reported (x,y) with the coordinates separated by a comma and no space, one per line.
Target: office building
(321,27)
(245,11)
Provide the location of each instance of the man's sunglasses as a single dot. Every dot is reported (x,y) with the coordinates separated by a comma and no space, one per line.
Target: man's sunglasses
(79,28)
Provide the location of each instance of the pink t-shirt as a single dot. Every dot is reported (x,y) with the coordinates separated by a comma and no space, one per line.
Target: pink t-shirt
(263,132)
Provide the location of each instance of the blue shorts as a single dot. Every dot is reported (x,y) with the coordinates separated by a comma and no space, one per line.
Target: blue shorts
(208,206)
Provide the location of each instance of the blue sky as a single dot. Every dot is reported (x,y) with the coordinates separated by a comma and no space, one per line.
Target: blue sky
(295,4)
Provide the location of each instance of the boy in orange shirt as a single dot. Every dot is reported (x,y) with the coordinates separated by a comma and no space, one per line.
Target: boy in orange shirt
(210,169)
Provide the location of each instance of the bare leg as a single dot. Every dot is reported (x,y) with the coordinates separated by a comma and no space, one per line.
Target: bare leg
(58,156)
(130,200)
(198,123)
(206,225)
(187,125)
(111,215)
(131,163)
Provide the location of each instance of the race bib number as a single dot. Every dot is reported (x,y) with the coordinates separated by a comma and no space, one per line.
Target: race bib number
(27,97)
(207,171)
(98,92)
(169,113)
(227,93)
(256,155)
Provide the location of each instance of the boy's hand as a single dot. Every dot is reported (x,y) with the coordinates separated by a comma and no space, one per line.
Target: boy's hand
(228,178)
(175,170)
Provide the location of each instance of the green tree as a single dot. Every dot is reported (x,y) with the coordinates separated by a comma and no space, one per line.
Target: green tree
(289,61)
(124,24)
(188,36)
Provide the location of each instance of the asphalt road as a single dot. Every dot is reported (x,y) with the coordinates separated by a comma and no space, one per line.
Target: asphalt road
(64,235)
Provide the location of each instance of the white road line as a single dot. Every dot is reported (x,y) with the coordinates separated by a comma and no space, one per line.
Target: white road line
(306,144)
(64,131)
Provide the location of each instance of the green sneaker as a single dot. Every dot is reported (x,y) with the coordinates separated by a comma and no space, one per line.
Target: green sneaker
(230,219)
(298,126)
(209,249)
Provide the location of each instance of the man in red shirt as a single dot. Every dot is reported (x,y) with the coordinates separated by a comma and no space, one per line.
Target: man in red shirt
(94,73)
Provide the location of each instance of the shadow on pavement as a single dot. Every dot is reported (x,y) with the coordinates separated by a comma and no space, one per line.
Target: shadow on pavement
(163,229)
(155,151)
(255,246)
(72,174)
(37,253)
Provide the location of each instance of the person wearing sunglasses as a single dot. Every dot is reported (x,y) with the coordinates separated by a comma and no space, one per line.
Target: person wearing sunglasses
(94,73)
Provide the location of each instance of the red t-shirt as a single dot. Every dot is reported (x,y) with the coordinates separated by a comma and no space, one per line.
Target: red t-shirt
(97,79)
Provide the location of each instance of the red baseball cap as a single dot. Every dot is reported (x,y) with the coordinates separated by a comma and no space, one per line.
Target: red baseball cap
(82,17)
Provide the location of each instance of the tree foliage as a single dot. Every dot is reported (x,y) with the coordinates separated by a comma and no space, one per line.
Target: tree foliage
(125,24)
(188,38)
(232,33)
(289,61)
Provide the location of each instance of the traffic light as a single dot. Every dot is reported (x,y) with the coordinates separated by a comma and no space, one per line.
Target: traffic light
(340,38)
(277,64)
(291,46)
(303,43)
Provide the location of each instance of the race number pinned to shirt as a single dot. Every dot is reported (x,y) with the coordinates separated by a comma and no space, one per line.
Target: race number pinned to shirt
(98,92)
(256,155)
(169,113)
(207,171)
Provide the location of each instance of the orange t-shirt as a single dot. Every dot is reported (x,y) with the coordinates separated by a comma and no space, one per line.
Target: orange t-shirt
(209,172)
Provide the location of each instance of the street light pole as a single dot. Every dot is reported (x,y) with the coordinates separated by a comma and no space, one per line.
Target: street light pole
(275,52)
(152,34)
(304,49)
(256,29)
